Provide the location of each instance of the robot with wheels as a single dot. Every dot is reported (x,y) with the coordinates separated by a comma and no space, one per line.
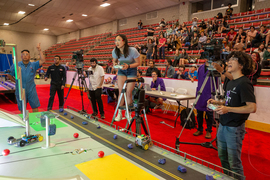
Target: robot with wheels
(25,140)
(143,141)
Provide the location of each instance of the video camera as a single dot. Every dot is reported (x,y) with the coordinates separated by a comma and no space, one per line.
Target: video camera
(212,53)
(138,98)
(77,59)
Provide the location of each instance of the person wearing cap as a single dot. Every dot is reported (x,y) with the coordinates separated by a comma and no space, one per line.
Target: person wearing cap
(96,78)
(28,70)
(229,11)
(58,82)
(193,73)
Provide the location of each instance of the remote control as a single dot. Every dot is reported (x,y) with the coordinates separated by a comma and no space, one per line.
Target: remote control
(118,67)
(212,106)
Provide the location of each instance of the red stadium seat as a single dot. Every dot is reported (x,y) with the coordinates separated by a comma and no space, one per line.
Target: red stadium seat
(246,19)
(259,11)
(235,15)
(239,26)
(256,24)
(253,18)
(263,16)
(233,26)
(231,21)
(238,20)
(251,12)
(267,10)
(266,23)
(205,20)
(265,73)
(247,25)
(243,13)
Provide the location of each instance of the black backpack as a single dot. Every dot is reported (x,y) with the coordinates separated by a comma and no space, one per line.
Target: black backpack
(184,114)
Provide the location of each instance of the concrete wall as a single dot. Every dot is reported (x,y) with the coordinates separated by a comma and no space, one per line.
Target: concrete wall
(261,4)
(27,41)
(66,37)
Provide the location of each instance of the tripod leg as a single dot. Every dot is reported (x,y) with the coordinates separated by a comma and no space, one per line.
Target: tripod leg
(73,79)
(146,122)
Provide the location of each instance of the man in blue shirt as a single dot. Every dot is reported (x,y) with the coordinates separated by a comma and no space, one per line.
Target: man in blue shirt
(28,71)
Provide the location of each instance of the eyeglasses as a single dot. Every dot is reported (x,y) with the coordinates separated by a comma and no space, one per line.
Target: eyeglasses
(253,55)
(233,59)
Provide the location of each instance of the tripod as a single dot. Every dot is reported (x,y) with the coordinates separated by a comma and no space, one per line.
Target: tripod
(217,91)
(82,85)
(139,106)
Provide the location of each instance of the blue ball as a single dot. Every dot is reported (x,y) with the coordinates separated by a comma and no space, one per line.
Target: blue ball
(98,126)
(65,113)
(182,169)
(71,117)
(115,136)
(61,110)
(130,146)
(84,123)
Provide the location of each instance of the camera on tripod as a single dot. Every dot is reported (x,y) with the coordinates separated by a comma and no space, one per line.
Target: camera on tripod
(138,98)
(77,59)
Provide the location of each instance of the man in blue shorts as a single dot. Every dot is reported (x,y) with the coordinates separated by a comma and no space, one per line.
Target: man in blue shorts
(28,70)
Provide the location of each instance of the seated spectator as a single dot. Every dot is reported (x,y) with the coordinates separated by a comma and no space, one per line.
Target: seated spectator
(155,83)
(266,59)
(262,36)
(230,37)
(229,11)
(215,24)
(239,47)
(161,46)
(202,40)
(209,28)
(140,25)
(162,24)
(152,68)
(194,23)
(41,73)
(174,30)
(193,73)
(194,42)
(184,27)
(183,57)
(225,52)
(251,34)
(170,41)
(176,43)
(110,66)
(143,50)
(150,32)
(169,72)
(169,31)
(140,78)
(222,26)
(202,25)
(150,50)
(181,73)
(176,23)
(257,68)
(240,36)
(261,49)
(176,58)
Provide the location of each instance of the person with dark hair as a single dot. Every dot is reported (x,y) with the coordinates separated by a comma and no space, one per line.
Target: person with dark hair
(28,70)
(176,43)
(155,83)
(230,37)
(151,68)
(257,68)
(156,42)
(266,58)
(143,51)
(140,25)
(239,102)
(139,77)
(241,36)
(183,57)
(150,50)
(261,50)
(150,32)
(161,46)
(169,72)
(162,24)
(129,59)
(222,26)
(181,73)
(194,42)
(229,11)
(202,40)
(96,77)
(58,81)
(251,34)
(262,36)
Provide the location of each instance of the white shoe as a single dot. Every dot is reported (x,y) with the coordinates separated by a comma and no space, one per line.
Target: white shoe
(130,117)
(119,116)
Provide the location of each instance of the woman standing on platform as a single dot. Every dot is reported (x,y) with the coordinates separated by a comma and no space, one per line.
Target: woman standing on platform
(129,58)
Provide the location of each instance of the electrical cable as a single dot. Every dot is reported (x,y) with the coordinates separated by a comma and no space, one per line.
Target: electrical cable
(29,13)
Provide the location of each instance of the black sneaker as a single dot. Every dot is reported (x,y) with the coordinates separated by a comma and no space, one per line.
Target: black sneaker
(94,114)
(102,116)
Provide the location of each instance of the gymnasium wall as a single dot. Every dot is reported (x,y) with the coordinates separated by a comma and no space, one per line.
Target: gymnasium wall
(28,41)
(261,4)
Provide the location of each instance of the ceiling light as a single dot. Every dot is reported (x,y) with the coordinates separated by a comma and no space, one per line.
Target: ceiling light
(31,5)
(84,14)
(6,24)
(21,12)
(105,4)
(46,29)
(69,20)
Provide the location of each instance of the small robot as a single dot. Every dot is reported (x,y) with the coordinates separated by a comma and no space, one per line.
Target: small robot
(25,140)
(143,141)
